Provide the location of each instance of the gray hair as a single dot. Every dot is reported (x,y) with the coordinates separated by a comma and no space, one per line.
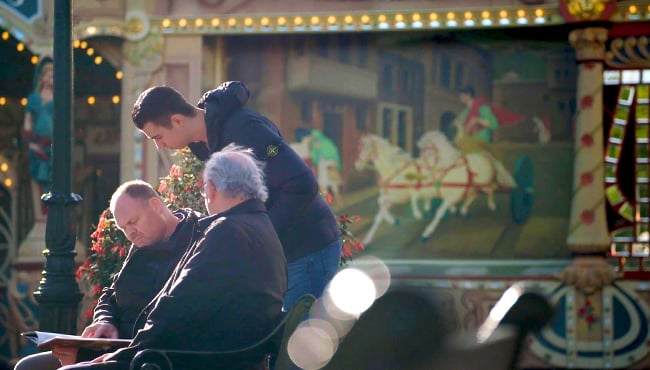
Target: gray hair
(235,172)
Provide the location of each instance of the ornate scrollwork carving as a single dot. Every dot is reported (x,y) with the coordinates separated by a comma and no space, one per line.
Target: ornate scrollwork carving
(630,52)
(588,274)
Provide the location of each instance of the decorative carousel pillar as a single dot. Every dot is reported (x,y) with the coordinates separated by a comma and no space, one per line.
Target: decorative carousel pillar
(142,64)
(588,237)
(589,278)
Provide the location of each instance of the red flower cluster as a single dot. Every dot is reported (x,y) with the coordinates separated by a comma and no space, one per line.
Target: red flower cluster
(351,245)
(109,249)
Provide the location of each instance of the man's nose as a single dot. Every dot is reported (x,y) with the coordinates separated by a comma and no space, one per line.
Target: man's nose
(159,143)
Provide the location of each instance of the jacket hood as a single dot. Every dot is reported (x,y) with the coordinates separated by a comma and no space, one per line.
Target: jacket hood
(218,103)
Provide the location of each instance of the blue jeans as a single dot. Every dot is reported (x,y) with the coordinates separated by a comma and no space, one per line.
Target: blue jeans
(310,274)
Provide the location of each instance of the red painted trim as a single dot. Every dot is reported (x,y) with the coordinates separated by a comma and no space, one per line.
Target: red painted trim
(630,29)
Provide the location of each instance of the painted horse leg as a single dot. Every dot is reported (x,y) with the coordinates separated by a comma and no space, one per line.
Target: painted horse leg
(439,214)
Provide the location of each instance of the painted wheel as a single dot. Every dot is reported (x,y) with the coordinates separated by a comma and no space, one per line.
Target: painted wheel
(522,197)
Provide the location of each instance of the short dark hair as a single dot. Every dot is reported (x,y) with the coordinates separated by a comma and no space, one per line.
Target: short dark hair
(157,104)
(469,90)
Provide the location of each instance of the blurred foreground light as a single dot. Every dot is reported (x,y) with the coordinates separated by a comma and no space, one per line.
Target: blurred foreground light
(8,182)
(498,312)
(4,167)
(376,270)
(312,344)
(352,291)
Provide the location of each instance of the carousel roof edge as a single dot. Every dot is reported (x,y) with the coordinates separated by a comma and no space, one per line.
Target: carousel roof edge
(137,25)
(431,18)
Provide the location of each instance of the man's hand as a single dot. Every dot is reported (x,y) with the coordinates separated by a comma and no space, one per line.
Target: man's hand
(100,330)
(66,355)
(101,358)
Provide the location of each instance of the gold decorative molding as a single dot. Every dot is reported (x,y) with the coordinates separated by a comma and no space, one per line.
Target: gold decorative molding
(586,10)
(588,274)
(589,43)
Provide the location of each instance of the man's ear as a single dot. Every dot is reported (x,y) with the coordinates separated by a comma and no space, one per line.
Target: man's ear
(177,120)
(155,203)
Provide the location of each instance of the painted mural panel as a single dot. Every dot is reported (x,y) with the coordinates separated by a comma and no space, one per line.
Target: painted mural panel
(446,145)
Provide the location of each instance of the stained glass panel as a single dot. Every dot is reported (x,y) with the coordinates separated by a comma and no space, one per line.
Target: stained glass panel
(627,211)
(613,77)
(642,171)
(643,210)
(614,195)
(642,151)
(614,150)
(642,93)
(642,113)
(632,76)
(610,172)
(622,112)
(618,132)
(626,95)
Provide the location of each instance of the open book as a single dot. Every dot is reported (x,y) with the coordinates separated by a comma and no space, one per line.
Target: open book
(46,340)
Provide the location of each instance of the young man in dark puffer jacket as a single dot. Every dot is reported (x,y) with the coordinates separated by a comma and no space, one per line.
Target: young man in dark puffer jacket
(304,222)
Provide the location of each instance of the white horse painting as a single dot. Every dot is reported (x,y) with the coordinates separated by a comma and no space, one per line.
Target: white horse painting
(399,178)
(460,176)
(441,172)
